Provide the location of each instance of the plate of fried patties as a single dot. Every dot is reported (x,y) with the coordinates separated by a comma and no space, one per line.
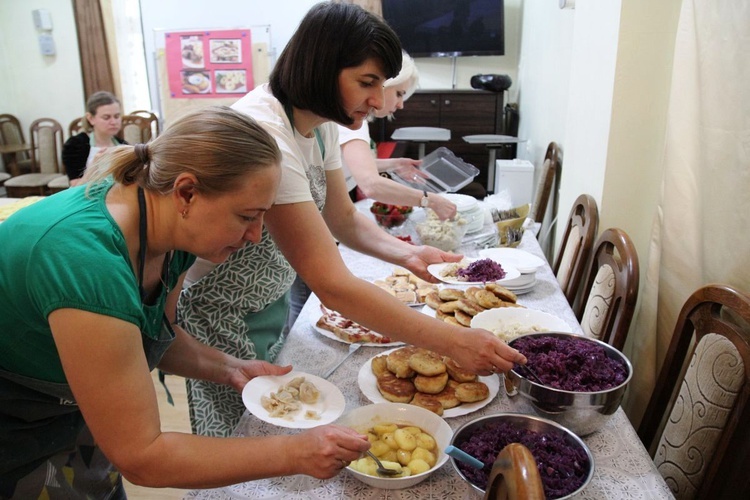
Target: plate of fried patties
(424,378)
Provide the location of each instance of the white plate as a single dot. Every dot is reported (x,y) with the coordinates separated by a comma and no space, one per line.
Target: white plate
(369,387)
(330,404)
(520,290)
(523,261)
(511,273)
(331,335)
(522,281)
(516,317)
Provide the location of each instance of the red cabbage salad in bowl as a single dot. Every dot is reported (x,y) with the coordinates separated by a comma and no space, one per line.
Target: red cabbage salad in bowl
(571,364)
(563,466)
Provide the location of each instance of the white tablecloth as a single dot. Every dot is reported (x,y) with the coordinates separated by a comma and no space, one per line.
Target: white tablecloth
(623,468)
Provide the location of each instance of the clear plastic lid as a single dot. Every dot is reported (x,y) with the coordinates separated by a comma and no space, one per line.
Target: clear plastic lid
(446,173)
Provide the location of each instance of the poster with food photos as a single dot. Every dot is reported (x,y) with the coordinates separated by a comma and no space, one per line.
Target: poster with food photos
(210,63)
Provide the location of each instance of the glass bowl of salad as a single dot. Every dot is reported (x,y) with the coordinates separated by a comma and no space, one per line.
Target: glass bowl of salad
(388,216)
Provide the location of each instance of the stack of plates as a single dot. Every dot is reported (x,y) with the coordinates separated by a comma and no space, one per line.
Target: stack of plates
(525,262)
(468,208)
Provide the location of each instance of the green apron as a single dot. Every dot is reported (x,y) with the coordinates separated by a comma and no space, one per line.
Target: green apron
(50,452)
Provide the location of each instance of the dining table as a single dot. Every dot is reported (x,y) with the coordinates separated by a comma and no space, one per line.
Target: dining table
(623,468)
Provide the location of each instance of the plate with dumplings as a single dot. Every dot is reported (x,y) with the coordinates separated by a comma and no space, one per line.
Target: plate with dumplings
(424,378)
(296,400)
(406,286)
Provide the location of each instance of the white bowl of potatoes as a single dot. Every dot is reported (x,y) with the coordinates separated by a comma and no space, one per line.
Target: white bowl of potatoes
(402,436)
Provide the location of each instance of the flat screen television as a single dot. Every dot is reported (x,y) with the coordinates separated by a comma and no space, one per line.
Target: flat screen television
(446,28)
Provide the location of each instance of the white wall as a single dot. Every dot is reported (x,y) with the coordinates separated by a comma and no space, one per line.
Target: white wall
(435,73)
(595,79)
(33,85)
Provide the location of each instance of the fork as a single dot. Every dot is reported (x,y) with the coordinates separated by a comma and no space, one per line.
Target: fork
(352,349)
(381,469)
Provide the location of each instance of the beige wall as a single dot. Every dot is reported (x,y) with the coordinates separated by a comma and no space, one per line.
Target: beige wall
(595,79)
(33,85)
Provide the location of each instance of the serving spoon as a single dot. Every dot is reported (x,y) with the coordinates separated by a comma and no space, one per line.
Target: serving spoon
(381,469)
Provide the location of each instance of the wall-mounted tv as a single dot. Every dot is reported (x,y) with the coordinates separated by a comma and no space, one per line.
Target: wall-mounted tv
(446,28)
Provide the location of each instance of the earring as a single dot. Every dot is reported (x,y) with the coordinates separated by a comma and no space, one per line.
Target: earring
(184,213)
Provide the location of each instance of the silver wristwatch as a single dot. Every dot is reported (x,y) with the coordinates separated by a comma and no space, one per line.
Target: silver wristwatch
(425,201)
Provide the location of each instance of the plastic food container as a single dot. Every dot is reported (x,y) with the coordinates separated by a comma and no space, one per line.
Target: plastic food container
(446,173)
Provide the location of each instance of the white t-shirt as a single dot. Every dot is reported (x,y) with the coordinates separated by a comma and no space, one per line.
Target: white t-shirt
(302,177)
(299,153)
(346,135)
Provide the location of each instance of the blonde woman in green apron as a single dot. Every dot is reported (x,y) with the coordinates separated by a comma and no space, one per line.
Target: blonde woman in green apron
(89,280)
(331,72)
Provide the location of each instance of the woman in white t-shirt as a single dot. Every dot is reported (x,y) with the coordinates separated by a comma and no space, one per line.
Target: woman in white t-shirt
(332,71)
(362,169)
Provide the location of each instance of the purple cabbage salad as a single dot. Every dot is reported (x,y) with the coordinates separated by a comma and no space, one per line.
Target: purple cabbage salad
(571,364)
(483,270)
(563,465)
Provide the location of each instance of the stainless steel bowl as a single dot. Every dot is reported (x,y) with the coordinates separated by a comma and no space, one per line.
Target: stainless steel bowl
(581,412)
(518,420)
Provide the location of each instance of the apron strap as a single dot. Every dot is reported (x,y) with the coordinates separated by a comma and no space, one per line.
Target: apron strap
(290,114)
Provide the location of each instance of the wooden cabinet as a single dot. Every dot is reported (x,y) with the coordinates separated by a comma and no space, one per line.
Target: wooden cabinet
(463,112)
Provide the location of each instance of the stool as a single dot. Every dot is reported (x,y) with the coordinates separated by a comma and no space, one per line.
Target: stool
(493,143)
(421,135)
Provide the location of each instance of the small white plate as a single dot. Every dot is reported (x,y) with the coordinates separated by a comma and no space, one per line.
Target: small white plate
(523,261)
(511,273)
(331,335)
(329,407)
(516,318)
(522,281)
(369,387)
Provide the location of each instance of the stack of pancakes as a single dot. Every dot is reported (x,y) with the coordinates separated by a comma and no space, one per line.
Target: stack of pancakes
(424,378)
(457,306)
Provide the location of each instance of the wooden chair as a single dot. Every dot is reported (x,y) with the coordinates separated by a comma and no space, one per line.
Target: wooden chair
(11,134)
(76,126)
(46,146)
(697,423)
(139,127)
(610,289)
(576,245)
(550,170)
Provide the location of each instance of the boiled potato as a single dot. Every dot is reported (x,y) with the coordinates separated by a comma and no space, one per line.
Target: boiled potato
(418,466)
(372,437)
(378,448)
(404,457)
(426,441)
(425,455)
(390,455)
(405,439)
(412,429)
(390,439)
(381,429)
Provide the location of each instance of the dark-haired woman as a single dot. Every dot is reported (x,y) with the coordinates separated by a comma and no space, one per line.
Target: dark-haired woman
(89,280)
(331,72)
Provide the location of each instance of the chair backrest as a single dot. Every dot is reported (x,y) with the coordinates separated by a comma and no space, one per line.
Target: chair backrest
(550,169)
(139,127)
(46,146)
(697,422)
(576,245)
(12,133)
(610,289)
(76,126)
